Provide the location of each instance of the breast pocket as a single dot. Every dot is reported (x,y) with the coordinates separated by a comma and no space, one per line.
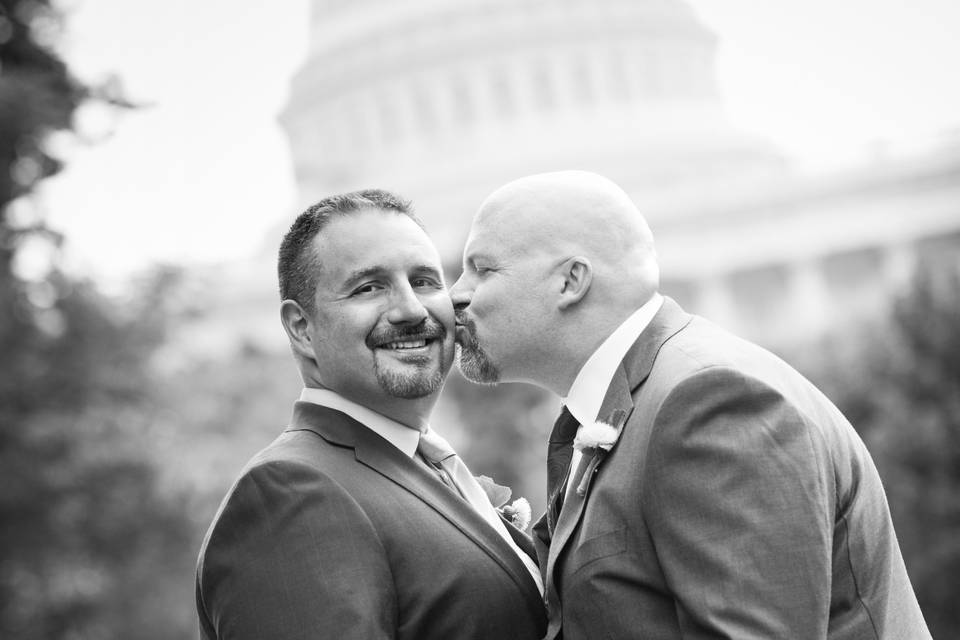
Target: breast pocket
(598,547)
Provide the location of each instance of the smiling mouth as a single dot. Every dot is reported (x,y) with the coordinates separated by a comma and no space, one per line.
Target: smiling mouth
(413,342)
(402,345)
(417,343)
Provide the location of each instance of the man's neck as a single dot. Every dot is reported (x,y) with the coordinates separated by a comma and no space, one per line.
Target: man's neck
(614,338)
(412,413)
(582,343)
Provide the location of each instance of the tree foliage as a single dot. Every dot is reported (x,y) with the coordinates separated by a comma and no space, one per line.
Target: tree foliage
(37,95)
(87,540)
(899,384)
(85,537)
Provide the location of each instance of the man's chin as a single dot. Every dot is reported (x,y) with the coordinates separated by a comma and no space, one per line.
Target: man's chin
(411,381)
(477,367)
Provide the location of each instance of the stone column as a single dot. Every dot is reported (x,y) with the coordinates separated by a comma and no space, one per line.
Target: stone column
(808,298)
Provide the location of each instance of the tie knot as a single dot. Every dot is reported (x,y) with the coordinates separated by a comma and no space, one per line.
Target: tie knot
(433,447)
(565,428)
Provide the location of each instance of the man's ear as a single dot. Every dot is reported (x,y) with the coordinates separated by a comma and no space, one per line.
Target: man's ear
(576,276)
(296,323)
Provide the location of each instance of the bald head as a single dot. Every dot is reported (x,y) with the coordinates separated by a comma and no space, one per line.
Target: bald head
(553,264)
(578,213)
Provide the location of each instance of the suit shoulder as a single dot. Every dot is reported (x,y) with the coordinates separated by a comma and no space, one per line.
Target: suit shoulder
(703,347)
(284,513)
(703,344)
(293,454)
(738,392)
(296,446)
(295,463)
(284,482)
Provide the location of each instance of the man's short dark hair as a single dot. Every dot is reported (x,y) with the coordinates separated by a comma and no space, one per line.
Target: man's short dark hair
(297,266)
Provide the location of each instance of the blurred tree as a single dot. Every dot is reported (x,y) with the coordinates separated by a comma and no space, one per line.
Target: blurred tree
(88,546)
(85,538)
(37,95)
(899,384)
(220,411)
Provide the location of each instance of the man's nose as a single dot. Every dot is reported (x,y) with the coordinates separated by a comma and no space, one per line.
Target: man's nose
(460,293)
(406,307)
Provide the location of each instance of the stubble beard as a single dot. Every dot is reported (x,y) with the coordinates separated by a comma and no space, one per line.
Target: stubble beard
(474,363)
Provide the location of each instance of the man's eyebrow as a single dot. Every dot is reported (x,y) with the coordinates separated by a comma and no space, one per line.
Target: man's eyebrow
(427,268)
(475,257)
(376,270)
(366,272)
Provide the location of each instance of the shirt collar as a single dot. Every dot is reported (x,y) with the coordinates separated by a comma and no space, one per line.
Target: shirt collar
(401,436)
(590,386)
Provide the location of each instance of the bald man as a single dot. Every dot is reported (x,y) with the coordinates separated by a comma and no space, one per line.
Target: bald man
(698,486)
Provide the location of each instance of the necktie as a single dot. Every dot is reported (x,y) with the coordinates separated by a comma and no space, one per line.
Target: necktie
(455,473)
(441,456)
(559,453)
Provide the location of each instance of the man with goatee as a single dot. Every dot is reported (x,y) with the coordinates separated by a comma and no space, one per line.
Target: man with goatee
(358,521)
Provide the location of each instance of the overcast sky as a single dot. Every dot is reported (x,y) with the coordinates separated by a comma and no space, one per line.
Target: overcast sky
(203,172)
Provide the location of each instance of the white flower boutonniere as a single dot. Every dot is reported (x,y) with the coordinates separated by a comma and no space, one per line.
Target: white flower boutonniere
(596,435)
(518,512)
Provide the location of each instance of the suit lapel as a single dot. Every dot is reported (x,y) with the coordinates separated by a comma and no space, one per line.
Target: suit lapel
(521,539)
(379,455)
(617,406)
(633,371)
(666,323)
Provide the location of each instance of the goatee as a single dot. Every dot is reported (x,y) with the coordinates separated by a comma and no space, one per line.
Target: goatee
(474,363)
(426,376)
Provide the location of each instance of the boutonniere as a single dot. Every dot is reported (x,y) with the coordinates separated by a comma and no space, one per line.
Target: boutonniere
(517,512)
(598,437)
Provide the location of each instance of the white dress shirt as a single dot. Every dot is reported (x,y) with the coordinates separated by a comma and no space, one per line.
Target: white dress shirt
(590,386)
(399,435)
(406,440)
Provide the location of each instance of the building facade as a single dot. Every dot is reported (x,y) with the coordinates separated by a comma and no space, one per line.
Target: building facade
(445,100)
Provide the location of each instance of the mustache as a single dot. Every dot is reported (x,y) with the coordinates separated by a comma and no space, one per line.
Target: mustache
(429,329)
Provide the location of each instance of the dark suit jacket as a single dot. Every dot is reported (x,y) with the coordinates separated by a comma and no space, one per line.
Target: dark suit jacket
(737,503)
(332,532)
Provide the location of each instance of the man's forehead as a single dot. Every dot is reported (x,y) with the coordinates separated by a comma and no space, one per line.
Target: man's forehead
(481,243)
(491,251)
(491,220)
(498,228)
(385,241)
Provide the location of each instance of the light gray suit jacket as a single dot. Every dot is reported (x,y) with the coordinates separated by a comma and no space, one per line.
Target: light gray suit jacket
(737,503)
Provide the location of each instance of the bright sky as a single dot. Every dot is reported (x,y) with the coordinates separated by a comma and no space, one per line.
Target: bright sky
(204,173)
(824,77)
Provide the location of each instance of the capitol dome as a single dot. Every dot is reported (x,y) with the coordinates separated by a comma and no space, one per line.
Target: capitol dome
(445,100)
